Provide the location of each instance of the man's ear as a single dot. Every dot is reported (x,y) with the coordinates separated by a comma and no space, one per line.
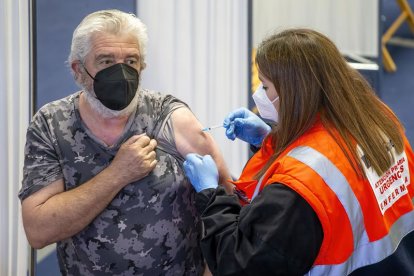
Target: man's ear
(76,69)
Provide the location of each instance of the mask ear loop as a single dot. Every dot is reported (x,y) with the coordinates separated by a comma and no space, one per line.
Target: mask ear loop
(86,70)
(277,98)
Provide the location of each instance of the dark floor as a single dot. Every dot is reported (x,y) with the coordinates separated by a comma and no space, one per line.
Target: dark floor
(397,89)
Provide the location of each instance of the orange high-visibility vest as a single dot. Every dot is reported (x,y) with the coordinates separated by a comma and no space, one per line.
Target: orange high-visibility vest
(363,220)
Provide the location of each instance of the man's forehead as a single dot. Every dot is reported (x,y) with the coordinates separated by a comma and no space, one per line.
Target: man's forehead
(109,42)
(115,51)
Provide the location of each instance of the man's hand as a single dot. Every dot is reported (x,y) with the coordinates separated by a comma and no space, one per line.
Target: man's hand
(135,158)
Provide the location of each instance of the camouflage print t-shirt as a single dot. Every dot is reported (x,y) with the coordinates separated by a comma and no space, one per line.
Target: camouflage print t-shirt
(151,226)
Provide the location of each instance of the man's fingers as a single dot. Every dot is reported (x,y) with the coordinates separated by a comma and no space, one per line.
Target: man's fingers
(142,141)
(153,163)
(145,141)
(135,138)
(151,155)
(153,143)
(150,147)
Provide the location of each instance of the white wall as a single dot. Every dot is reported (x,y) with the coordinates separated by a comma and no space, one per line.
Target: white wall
(351,24)
(14,117)
(197,52)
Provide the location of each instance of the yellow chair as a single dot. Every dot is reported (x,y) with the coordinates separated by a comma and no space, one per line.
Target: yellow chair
(406,15)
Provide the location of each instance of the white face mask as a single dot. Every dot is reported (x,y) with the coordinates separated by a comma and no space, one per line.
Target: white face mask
(266,108)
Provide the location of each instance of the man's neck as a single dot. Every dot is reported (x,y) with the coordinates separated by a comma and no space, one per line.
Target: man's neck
(106,129)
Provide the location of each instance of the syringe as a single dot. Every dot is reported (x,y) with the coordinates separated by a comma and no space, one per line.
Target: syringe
(212,127)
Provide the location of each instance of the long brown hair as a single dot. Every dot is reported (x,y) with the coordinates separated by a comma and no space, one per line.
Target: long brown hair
(312,78)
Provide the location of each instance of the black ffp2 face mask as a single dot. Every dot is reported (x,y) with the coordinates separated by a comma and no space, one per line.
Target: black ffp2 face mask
(116,86)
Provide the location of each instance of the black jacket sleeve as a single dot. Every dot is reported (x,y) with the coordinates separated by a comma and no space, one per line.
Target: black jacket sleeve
(277,234)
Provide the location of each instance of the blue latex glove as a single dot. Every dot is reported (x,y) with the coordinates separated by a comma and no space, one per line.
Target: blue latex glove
(245,125)
(202,171)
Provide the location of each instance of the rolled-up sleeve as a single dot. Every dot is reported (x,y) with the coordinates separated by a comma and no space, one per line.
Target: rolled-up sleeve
(41,163)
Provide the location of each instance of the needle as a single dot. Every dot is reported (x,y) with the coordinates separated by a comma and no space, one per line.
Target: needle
(212,127)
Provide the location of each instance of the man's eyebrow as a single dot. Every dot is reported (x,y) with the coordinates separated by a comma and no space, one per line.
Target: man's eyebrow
(133,56)
(102,56)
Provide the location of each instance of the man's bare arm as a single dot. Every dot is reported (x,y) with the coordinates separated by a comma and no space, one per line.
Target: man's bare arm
(189,138)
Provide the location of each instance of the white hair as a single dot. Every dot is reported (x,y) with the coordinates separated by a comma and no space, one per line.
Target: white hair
(107,21)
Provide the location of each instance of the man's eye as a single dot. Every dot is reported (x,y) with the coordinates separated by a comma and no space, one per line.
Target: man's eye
(105,61)
(265,88)
(132,62)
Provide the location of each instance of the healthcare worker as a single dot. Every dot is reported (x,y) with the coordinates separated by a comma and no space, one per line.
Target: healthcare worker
(329,190)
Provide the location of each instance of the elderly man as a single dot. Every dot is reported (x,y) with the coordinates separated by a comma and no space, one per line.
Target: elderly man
(103,171)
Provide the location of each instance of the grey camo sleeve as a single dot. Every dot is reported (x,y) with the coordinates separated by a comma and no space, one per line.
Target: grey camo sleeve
(41,163)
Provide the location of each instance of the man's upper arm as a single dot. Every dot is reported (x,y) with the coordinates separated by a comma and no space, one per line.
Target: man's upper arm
(190,139)
(188,135)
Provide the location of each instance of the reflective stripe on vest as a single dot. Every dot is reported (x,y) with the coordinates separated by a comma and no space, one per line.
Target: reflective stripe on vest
(365,252)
